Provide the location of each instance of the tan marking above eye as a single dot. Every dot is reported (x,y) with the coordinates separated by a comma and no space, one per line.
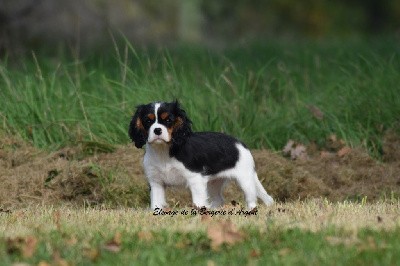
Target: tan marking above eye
(164,115)
(151,116)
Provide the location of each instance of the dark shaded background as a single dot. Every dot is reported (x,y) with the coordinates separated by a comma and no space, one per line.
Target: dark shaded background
(87,24)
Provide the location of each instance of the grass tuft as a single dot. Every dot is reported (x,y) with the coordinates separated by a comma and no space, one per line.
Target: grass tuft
(260,93)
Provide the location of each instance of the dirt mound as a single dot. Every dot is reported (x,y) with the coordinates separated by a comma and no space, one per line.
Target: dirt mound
(72,175)
(102,174)
(391,145)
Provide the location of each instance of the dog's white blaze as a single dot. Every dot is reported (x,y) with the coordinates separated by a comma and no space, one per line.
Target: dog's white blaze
(164,131)
(156,107)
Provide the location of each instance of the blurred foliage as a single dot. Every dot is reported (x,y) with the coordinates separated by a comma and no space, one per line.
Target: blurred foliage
(83,24)
(311,18)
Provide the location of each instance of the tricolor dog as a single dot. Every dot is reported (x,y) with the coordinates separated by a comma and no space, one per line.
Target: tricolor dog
(202,161)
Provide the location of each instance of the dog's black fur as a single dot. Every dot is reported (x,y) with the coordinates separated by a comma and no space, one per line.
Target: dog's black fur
(207,153)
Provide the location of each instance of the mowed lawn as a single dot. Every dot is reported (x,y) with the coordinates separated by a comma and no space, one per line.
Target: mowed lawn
(298,233)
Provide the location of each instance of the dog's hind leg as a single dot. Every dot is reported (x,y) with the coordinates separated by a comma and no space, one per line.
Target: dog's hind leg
(247,184)
(246,177)
(261,192)
(215,192)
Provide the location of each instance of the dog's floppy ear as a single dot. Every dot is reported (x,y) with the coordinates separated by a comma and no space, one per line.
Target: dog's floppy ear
(137,133)
(183,125)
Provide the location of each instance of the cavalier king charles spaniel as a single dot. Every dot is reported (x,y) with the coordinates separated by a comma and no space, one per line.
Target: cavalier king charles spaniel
(203,161)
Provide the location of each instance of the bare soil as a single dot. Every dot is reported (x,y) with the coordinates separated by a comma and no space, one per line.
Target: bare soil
(100,175)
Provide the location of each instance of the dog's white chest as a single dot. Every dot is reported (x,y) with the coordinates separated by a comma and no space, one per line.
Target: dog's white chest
(164,169)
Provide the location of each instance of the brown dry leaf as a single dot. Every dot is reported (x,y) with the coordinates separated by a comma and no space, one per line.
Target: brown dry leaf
(43,263)
(300,152)
(344,151)
(295,150)
(223,232)
(288,147)
(114,245)
(316,112)
(145,235)
(30,246)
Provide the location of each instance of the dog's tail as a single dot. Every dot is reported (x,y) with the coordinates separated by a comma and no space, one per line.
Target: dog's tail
(262,194)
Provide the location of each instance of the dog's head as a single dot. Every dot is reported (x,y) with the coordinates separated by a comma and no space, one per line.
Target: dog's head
(159,123)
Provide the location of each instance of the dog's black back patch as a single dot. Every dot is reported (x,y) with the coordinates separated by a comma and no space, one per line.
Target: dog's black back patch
(207,153)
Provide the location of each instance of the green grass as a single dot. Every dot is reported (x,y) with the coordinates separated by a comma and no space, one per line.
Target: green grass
(297,233)
(286,247)
(260,93)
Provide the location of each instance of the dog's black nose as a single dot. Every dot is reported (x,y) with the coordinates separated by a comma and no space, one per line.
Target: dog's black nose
(157,131)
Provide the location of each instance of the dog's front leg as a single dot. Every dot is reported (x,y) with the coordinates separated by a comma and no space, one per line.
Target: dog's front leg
(198,187)
(157,195)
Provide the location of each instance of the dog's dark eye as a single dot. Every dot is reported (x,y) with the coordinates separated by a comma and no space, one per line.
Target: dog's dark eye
(148,121)
(168,120)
